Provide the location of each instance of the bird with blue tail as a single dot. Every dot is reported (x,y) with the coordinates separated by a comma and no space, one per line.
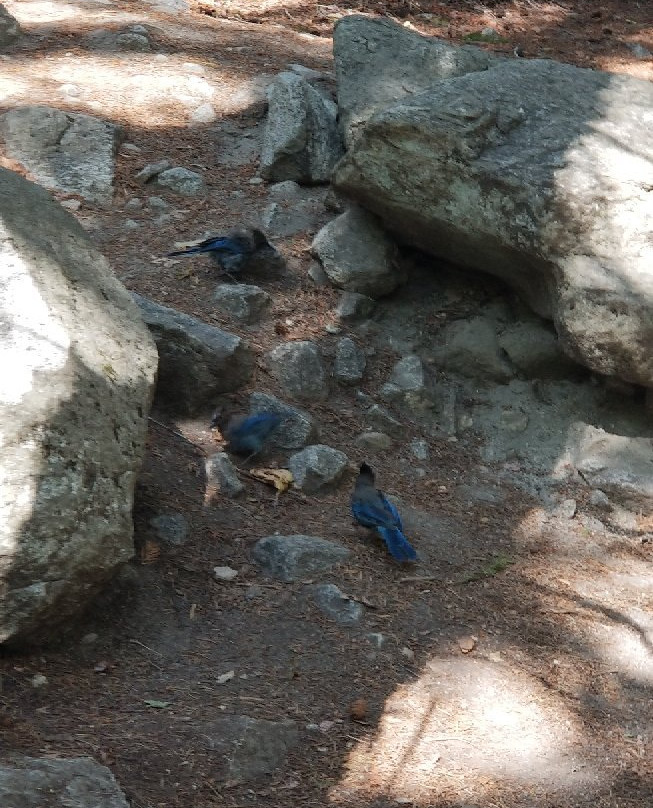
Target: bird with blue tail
(240,249)
(373,510)
(248,434)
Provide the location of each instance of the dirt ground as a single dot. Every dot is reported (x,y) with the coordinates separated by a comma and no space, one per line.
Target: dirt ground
(511,669)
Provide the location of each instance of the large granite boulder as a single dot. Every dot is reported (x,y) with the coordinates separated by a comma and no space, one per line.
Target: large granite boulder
(378,62)
(78,370)
(539,173)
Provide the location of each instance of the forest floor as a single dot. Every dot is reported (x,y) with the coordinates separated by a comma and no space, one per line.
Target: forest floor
(511,669)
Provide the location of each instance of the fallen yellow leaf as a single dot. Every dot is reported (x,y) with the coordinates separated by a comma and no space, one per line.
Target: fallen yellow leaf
(281,479)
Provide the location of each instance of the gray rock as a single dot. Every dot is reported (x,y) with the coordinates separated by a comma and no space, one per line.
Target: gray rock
(249,748)
(317,467)
(536,352)
(301,140)
(152,170)
(51,782)
(64,151)
(639,51)
(196,360)
(620,466)
(299,368)
(420,449)
(481,492)
(379,418)
(170,528)
(408,386)
(622,519)
(504,171)
(133,205)
(204,113)
(290,558)
(600,500)
(9,28)
(357,255)
(244,302)
(565,509)
(182,181)
(349,363)
(297,428)
(293,209)
(374,441)
(317,274)
(471,348)
(354,306)
(336,605)
(79,370)
(221,476)
(135,38)
(379,62)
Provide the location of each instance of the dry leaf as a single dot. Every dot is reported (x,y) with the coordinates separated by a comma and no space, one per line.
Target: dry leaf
(281,479)
(149,552)
(467,644)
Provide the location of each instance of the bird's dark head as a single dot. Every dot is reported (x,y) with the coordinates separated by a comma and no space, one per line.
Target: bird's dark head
(259,239)
(366,471)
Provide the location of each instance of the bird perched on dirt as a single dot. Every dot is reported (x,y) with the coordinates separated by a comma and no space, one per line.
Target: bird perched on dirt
(247,434)
(371,509)
(240,249)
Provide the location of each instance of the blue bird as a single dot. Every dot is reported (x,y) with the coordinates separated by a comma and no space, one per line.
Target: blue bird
(247,434)
(372,509)
(235,251)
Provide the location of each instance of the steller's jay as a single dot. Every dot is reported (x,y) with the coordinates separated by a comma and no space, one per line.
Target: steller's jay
(247,434)
(239,249)
(371,509)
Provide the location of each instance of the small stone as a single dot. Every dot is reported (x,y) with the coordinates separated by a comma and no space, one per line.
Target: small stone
(256,181)
(376,639)
(331,328)
(420,449)
(221,477)
(134,204)
(89,639)
(170,528)
(38,680)
(299,368)
(182,181)
(71,204)
(639,51)
(349,364)
(157,203)
(383,421)
(317,274)
(205,113)
(131,224)
(290,558)
(353,305)
(242,301)
(374,441)
(317,467)
(407,652)
(566,509)
(336,605)
(225,573)
(151,170)
(600,500)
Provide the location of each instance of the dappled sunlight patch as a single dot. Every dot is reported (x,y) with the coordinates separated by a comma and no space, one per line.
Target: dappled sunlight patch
(485,726)
(142,89)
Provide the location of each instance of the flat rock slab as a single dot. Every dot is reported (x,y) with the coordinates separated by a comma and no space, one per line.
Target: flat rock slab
(290,558)
(64,151)
(52,783)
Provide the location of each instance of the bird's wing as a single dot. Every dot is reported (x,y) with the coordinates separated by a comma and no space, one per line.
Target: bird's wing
(391,509)
(369,506)
(219,243)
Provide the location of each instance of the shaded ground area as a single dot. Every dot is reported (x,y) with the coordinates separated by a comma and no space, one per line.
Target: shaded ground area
(513,667)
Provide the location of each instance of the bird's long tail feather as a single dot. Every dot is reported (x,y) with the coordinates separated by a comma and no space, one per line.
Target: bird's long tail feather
(397,544)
